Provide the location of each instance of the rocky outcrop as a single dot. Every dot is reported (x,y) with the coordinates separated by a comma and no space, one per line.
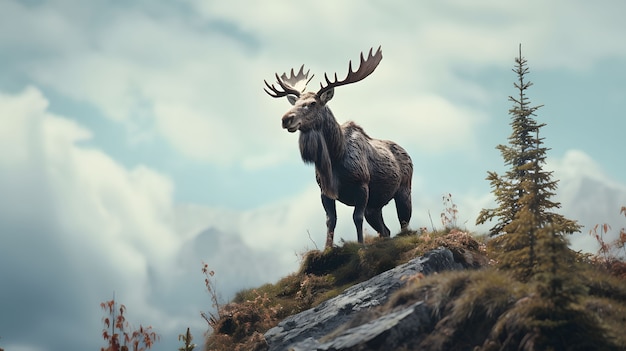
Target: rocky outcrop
(318,328)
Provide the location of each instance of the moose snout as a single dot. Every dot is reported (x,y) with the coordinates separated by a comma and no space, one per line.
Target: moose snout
(289,123)
(287,119)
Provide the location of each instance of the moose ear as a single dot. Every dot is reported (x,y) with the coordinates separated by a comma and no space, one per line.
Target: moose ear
(292,99)
(327,95)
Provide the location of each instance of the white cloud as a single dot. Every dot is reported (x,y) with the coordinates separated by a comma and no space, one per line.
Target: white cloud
(107,225)
(434,122)
(78,227)
(19,122)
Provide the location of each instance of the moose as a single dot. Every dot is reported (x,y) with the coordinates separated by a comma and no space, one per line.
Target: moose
(350,166)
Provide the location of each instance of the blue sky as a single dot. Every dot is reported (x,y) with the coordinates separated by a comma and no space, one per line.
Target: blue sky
(137,140)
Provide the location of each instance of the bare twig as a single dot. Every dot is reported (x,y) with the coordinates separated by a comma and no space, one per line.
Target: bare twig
(431,221)
(316,248)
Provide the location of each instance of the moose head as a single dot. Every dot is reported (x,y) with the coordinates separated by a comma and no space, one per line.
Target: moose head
(305,113)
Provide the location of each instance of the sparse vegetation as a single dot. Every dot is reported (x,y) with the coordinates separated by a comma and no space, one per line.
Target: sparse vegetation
(611,254)
(598,232)
(209,282)
(450,212)
(186,338)
(119,334)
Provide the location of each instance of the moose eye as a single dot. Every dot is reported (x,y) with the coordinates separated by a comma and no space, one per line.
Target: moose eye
(312,104)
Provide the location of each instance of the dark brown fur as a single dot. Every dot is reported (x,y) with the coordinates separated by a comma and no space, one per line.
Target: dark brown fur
(350,166)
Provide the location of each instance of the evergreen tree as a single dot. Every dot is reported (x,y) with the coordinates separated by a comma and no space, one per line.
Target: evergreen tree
(523,155)
(508,189)
(530,243)
(524,192)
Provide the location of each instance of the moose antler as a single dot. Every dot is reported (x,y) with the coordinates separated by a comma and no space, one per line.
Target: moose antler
(366,67)
(293,85)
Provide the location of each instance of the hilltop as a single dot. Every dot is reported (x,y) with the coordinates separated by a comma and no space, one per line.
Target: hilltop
(472,306)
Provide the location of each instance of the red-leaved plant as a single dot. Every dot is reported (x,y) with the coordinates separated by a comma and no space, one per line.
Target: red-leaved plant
(118,333)
(611,254)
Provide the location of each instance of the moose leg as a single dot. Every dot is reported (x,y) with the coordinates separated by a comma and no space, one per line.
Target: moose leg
(403,207)
(374,217)
(357,216)
(359,211)
(331,219)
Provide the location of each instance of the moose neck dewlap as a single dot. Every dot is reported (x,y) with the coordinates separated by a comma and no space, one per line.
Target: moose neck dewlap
(314,149)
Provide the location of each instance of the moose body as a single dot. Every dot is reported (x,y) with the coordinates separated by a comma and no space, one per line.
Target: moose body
(350,166)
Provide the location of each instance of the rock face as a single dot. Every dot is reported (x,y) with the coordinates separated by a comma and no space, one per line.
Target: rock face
(315,329)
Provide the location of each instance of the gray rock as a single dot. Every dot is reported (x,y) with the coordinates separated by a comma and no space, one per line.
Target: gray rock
(308,329)
(383,333)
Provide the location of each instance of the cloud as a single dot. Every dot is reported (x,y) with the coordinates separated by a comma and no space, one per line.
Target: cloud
(193,78)
(193,75)
(78,226)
